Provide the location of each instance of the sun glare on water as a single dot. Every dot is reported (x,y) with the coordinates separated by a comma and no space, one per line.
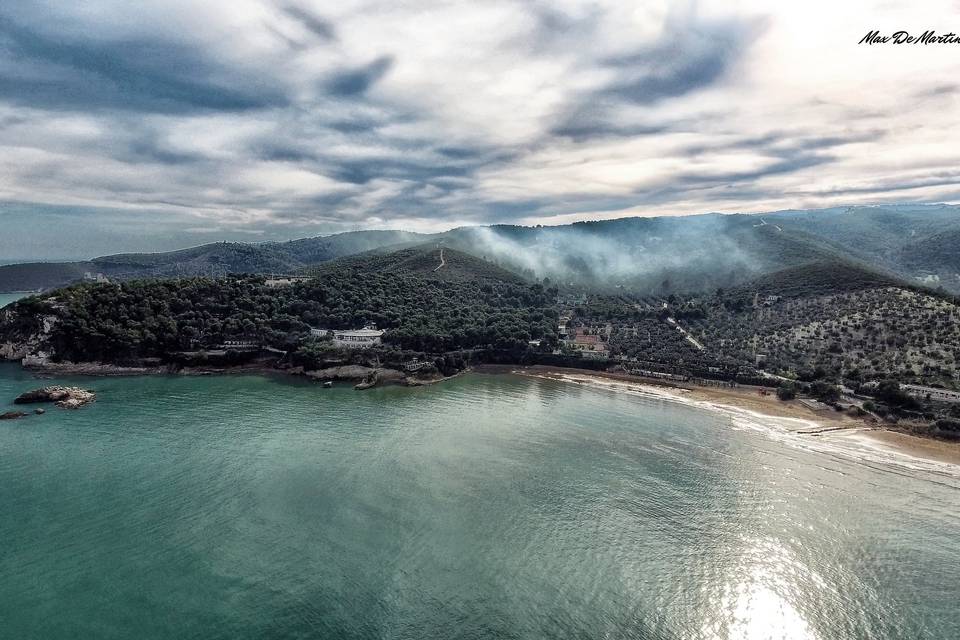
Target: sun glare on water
(757,602)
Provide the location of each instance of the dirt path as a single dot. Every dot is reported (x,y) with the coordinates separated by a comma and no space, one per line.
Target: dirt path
(686,335)
(442,261)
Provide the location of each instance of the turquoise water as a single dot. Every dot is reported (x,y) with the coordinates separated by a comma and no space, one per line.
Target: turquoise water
(485,507)
(7,298)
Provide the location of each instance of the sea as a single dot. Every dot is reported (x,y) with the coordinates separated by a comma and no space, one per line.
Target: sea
(488,506)
(7,298)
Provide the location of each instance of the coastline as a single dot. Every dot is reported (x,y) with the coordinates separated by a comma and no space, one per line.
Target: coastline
(791,415)
(384,376)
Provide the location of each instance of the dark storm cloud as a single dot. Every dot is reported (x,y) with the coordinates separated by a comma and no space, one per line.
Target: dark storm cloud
(586,126)
(363,171)
(312,22)
(683,62)
(281,114)
(150,75)
(356,81)
(688,57)
(784,143)
(148,147)
(788,164)
(935,179)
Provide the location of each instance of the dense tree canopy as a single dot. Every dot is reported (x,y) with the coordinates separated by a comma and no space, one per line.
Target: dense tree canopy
(152,318)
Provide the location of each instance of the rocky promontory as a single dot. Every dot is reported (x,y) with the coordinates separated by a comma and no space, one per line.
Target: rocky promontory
(66,397)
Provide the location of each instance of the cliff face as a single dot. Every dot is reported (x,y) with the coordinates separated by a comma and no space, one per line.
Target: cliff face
(22,336)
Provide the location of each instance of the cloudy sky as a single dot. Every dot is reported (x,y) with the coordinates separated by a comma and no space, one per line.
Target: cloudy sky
(155,124)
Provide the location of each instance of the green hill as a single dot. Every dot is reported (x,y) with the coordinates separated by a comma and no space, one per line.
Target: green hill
(432,262)
(34,276)
(211,260)
(819,278)
(471,305)
(647,256)
(935,254)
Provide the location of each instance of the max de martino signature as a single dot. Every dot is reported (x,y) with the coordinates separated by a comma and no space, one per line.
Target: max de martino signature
(905,37)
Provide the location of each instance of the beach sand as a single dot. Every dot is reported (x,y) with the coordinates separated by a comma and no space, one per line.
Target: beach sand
(794,416)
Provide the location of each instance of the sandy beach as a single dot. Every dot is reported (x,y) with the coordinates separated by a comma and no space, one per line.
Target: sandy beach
(795,417)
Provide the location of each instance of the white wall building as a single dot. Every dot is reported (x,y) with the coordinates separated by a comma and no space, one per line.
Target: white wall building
(933,393)
(358,338)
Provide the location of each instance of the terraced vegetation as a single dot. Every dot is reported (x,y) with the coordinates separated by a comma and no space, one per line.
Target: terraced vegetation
(871,334)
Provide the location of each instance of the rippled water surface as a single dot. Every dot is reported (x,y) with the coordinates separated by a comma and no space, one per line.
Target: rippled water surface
(485,507)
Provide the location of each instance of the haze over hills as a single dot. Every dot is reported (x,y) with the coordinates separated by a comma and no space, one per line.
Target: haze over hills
(430,261)
(645,255)
(824,321)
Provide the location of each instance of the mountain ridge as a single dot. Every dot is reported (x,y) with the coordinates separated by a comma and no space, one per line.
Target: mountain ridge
(656,255)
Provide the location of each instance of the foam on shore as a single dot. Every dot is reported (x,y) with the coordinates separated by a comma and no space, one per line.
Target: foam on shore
(852,443)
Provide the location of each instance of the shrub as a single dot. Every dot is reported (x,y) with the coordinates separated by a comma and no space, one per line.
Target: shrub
(786,391)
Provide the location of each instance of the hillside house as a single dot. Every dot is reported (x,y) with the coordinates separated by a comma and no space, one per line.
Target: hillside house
(938,395)
(358,338)
(239,344)
(589,346)
(598,354)
(284,281)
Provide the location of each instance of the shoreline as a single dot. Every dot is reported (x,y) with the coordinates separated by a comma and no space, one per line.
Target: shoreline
(343,373)
(791,415)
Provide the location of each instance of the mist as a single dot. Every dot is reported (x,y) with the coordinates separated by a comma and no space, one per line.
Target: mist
(644,255)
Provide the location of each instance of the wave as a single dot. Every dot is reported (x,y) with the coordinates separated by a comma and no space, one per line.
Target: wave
(851,443)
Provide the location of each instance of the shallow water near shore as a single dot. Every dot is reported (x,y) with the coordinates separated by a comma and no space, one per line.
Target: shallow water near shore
(7,298)
(489,506)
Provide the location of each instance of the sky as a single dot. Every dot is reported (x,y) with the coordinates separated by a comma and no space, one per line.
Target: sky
(160,124)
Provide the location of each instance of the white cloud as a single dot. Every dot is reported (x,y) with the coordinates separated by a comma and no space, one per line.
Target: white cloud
(434,114)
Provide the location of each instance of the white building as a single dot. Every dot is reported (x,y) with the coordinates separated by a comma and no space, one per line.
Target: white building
(284,281)
(941,395)
(318,333)
(358,338)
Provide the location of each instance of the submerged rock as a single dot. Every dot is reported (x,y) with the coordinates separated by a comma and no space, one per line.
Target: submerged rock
(12,415)
(66,397)
(39,412)
(346,372)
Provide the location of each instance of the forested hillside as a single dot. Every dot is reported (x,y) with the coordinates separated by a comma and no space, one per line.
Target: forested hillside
(645,256)
(825,321)
(427,312)
(435,262)
(210,260)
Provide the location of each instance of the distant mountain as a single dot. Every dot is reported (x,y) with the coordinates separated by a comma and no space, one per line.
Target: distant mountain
(33,276)
(916,242)
(820,278)
(648,255)
(935,255)
(645,255)
(211,259)
(214,259)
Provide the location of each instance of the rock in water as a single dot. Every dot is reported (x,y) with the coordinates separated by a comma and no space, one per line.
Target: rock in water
(39,412)
(66,397)
(12,415)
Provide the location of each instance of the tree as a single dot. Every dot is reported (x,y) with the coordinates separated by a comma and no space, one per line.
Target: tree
(786,391)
